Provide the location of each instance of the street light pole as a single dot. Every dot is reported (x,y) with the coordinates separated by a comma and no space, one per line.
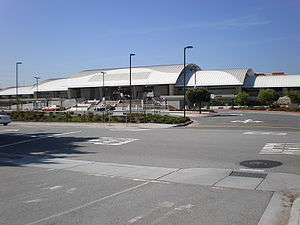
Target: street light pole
(37,89)
(184,77)
(17,83)
(37,85)
(103,88)
(130,99)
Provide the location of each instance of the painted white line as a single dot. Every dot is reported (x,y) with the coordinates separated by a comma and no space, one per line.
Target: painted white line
(246,121)
(61,134)
(71,190)
(111,141)
(265,133)
(38,138)
(54,187)
(128,129)
(33,201)
(9,130)
(183,207)
(250,170)
(135,219)
(88,204)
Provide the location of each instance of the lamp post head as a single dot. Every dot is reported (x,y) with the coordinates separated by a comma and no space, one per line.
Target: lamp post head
(188,47)
(103,72)
(132,54)
(18,63)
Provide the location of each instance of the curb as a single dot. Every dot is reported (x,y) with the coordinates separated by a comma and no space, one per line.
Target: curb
(295,213)
(184,124)
(273,212)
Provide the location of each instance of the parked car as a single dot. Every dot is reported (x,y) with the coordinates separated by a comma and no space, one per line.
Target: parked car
(51,108)
(4,119)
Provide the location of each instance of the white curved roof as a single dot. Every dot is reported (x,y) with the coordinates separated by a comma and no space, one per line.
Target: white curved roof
(53,85)
(24,90)
(152,75)
(207,78)
(273,81)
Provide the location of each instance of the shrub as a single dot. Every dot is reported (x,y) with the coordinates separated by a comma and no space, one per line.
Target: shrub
(221,101)
(68,117)
(242,98)
(197,96)
(294,96)
(267,96)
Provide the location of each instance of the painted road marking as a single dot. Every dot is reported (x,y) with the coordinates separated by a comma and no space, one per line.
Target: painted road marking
(129,129)
(54,187)
(71,190)
(246,121)
(183,207)
(135,219)
(111,141)
(281,148)
(38,138)
(9,130)
(33,201)
(88,204)
(265,133)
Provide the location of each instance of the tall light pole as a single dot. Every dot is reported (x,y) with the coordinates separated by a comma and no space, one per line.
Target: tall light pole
(130,99)
(37,85)
(17,83)
(103,88)
(184,77)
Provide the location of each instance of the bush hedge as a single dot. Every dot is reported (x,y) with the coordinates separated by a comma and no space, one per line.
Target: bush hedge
(33,116)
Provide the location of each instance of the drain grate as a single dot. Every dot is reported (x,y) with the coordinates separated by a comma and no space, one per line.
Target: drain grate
(247,174)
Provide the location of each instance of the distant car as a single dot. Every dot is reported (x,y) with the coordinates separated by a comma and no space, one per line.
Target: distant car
(51,108)
(4,119)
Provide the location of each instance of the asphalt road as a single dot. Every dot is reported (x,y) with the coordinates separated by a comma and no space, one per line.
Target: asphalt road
(89,174)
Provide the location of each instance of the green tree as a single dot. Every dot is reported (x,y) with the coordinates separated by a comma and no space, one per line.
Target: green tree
(198,96)
(267,96)
(294,96)
(242,98)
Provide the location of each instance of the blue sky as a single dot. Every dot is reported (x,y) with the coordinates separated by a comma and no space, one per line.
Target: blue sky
(56,38)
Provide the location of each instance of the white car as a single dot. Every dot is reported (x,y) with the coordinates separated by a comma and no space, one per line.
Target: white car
(4,119)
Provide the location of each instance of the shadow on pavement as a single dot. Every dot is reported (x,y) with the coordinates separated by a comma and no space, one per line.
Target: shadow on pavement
(38,148)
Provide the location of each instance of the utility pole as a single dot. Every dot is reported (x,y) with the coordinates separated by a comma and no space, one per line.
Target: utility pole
(131,54)
(37,90)
(184,77)
(103,88)
(17,83)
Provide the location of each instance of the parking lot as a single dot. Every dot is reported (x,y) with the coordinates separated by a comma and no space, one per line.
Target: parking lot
(58,173)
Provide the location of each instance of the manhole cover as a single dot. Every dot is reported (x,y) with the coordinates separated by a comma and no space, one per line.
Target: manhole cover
(260,163)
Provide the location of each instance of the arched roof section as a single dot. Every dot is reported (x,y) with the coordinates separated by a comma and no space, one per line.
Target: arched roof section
(144,75)
(22,90)
(189,69)
(227,77)
(59,84)
(270,81)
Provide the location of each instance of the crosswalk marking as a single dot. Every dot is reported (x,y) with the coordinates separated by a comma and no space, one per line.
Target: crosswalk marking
(281,148)
(265,133)
(246,121)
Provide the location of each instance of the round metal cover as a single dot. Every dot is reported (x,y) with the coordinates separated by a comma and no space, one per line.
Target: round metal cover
(260,163)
